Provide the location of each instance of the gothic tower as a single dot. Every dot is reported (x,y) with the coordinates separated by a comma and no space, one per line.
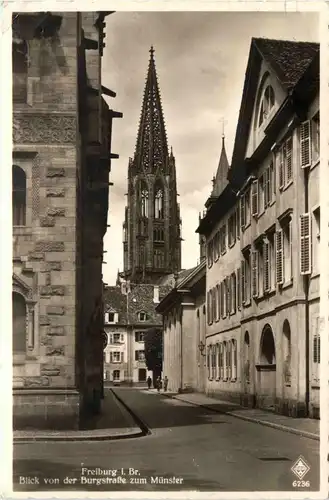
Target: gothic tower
(151,230)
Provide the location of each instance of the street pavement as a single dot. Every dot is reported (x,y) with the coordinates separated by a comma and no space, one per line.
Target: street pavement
(190,446)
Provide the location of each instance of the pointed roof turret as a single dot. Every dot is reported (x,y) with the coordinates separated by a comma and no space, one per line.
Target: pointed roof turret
(151,147)
(219,181)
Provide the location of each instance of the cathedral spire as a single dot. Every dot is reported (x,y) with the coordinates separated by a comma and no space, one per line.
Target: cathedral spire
(151,148)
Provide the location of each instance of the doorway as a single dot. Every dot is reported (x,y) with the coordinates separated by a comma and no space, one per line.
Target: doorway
(141,375)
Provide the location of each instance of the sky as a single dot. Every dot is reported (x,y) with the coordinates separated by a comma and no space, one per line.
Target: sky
(201,58)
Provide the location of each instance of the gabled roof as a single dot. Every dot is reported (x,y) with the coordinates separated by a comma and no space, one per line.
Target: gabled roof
(289,60)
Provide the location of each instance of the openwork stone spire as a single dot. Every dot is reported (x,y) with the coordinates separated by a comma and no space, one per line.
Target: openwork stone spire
(151,148)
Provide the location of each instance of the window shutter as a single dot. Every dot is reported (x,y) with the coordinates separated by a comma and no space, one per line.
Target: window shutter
(265,178)
(121,337)
(290,249)
(111,338)
(305,244)
(233,294)
(214,303)
(242,211)
(281,168)
(316,348)
(288,159)
(121,357)
(305,144)
(243,281)
(267,272)
(218,302)
(224,238)
(270,182)
(254,198)
(254,270)
(111,357)
(225,298)
(238,222)
(279,257)
(238,287)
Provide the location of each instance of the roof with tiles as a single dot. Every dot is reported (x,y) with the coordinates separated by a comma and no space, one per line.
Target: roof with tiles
(289,59)
(139,299)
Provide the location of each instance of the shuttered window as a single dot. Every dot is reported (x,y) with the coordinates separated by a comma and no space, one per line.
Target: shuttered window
(218,302)
(238,287)
(242,211)
(233,293)
(280,162)
(316,348)
(305,144)
(288,159)
(254,272)
(266,266)
(254,198)
(279,257)
(305,244)
(243,282)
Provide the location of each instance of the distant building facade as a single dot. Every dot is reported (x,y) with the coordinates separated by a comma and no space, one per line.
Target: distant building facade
(184,319)
(262,230)
(129,310)
(152,226)
(61,162)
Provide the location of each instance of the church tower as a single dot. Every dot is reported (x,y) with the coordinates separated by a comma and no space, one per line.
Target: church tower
(152,226)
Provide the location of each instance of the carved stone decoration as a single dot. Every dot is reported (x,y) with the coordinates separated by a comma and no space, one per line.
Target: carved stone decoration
(44,129)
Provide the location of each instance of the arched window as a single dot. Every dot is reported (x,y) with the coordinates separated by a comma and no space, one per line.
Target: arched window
(234,360)
(19,196)
(144,200)
(266,104)
(158,202)
(286,344)
(267,352)
(19,323)
(20,63)
(247,356)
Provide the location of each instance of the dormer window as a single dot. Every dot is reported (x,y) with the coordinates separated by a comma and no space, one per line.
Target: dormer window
(266,104)
(111,317)
(142,316)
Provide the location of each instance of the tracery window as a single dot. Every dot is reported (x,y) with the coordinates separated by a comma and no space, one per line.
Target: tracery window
(144,200)
(158,203)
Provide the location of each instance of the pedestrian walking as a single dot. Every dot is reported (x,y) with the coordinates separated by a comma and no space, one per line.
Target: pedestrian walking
(149,382)
(158,383)
(165,383)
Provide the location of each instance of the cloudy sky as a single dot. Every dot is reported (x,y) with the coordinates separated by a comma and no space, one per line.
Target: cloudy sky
(201,60)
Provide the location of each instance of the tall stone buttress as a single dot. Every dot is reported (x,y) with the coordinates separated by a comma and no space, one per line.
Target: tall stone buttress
(151,230)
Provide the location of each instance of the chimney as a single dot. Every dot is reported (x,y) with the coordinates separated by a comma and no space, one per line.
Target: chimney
(156,294)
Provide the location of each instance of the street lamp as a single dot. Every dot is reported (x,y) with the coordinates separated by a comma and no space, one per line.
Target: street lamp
(201,347)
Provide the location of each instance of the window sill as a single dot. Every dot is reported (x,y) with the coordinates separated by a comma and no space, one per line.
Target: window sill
(287,284)
(315,275)
(231,245)
(315,163)
(247,304)
(287,186)
(259,215)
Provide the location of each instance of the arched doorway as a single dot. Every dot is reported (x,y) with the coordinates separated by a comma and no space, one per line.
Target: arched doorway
(246,362)
(286,353)
(266,370)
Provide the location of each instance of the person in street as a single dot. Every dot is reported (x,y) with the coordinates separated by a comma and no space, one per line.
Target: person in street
(158,383)
(165,383)
(149,382)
